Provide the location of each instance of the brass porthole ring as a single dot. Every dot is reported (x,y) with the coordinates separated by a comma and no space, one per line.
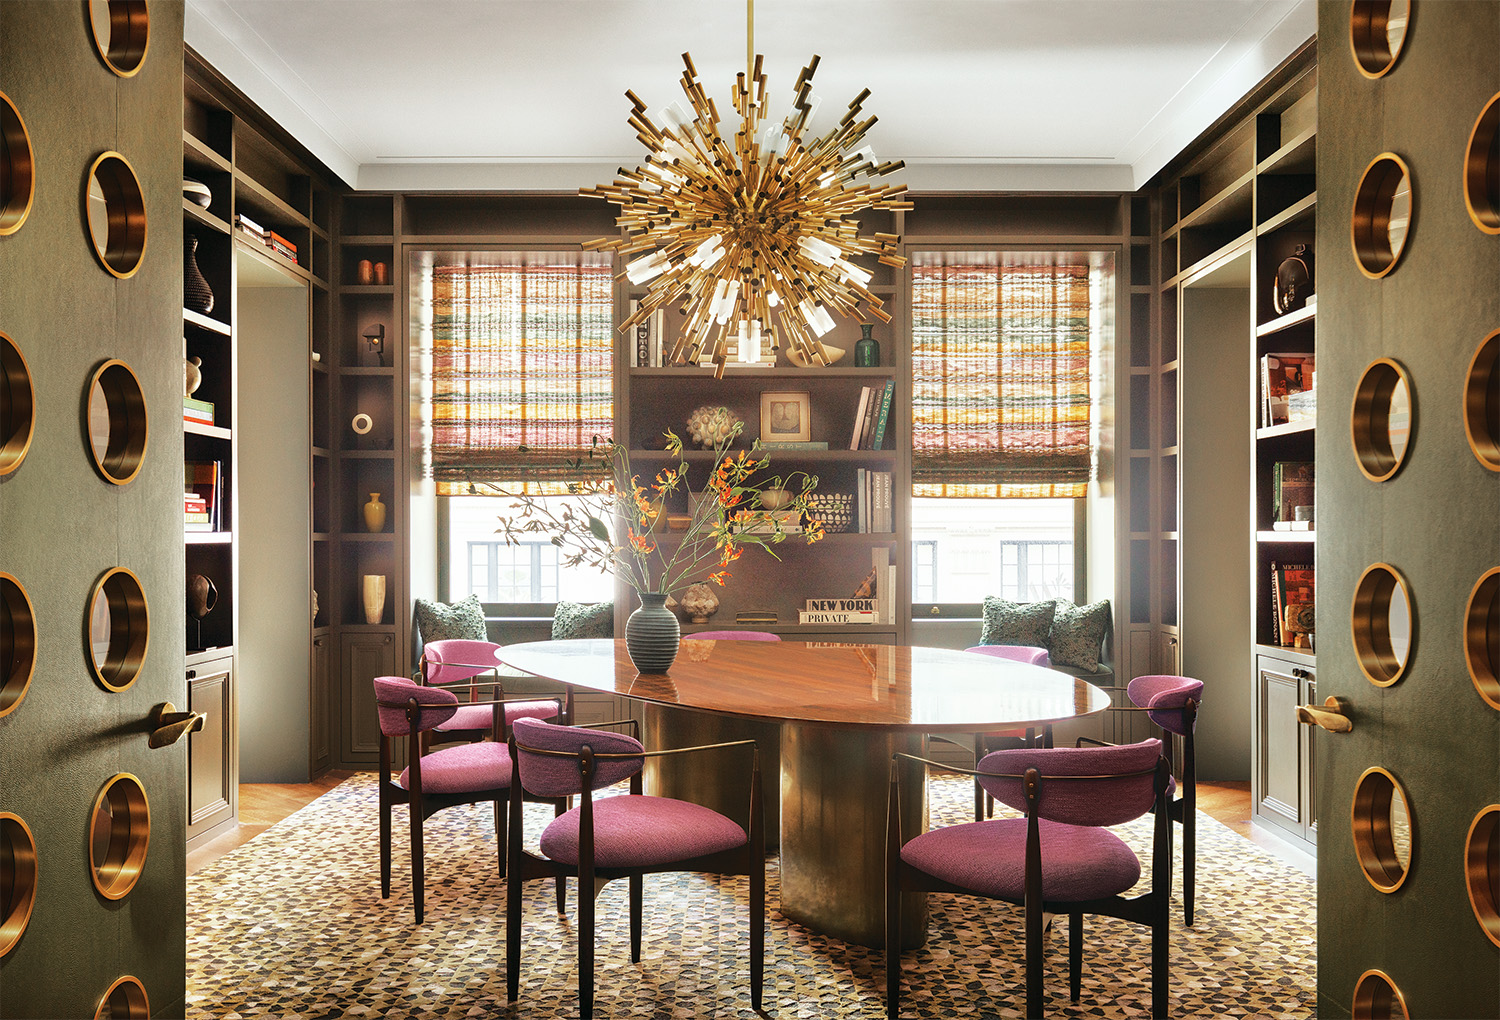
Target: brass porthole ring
(117,629)
(1482,636)
(1375,37)
(18,631)
(17,168)
(1482,870)
(1376,997)
(114,211)
(17,879)
(1384,835)
(1482,169)
(122,33)
(117,424)
(1482,402)
(1375,599)
(1380,222)
(125,1000)
(119,835)
(1380,431)
(18,410)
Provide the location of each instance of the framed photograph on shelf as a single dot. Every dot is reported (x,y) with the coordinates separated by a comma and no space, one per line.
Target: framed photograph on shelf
(785,416)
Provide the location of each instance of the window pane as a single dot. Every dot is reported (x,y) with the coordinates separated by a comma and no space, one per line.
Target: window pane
(1016,549)
(498,572)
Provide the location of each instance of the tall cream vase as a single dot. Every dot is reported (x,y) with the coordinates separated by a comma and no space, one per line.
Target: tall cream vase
(374,592)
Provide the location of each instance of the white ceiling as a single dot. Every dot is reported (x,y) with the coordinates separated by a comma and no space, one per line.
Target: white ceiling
(1026,95)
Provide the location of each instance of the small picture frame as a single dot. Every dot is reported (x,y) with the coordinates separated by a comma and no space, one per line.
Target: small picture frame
(785,416)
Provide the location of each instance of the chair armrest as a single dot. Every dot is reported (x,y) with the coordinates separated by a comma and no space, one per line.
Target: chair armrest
(687,750)
(1092,742)
(949,740)
(634,724)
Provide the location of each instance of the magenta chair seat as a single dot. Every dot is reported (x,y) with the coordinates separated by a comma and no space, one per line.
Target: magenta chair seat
(468,768)
(643,832)
(989,858)
(1029,654)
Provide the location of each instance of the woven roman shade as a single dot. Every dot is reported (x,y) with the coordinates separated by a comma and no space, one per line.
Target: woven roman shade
(522,350)
(1001,402)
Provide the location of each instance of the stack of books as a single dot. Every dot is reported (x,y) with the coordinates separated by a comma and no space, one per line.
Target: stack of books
(267,238)
(871,416)
(761,616)
(195,512)
(647,342)
(200,412)
(1293,484)
(839,611)
(873,501)
(203,494)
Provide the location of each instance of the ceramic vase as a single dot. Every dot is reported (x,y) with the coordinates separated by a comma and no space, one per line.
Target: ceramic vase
(867,348)
(374,593)
(652,634)
(374,514)
(192,375)
(197,296)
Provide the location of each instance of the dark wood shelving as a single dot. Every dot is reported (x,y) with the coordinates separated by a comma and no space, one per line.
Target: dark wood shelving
(203,217)
(205,322)
(1304,314)
(1302,209)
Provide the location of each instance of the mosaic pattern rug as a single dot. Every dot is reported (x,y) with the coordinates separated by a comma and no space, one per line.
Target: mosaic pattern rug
(292,925)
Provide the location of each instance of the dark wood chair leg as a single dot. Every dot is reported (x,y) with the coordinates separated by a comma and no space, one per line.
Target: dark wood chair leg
(586,895)
(414,810)
(636,892)
(558,810)
(1075,954)
(892,947)
(385,844)
(757,929)
(1160,930)
(513,902)
(1189,856)
(979,795)
(501,807)
(1035,989)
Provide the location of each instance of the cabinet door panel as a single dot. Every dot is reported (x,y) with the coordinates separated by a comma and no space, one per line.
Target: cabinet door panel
(1279,778)
(365,656)
(322,753)
(210,778)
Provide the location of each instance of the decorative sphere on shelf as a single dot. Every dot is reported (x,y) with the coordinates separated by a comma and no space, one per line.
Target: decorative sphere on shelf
(709,426)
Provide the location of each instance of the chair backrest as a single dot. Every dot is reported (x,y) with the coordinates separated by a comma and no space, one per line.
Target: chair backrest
(1167,694)
(550,776)
(438,706)
(731,635)
(457,659)
(1127,790)
(1016,653)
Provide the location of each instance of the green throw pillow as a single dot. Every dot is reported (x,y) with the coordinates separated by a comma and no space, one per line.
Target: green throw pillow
(441,621)
(1016,623)
(1077,634)
(583,620)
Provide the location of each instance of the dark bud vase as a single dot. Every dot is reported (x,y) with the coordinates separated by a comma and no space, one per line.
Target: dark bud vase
(196,294)
(867,348)
(652,634)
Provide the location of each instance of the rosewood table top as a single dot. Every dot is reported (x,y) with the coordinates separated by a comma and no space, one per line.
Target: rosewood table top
(877,686)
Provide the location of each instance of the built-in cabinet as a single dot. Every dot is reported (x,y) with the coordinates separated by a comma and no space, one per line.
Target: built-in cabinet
(1226,216)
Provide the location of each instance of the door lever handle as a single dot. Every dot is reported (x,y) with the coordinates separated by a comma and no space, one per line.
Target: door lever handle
(1329,715)
(168,725)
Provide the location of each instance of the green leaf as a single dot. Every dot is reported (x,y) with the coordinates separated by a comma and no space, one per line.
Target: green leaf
(597,529)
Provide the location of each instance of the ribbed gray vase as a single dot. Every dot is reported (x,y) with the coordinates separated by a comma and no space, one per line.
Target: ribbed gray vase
(652,634)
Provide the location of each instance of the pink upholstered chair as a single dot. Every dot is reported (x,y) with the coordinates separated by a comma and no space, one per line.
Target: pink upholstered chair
(984,743)
(1171,702)
(622,837)
(1061,858)
(467,774)
(458,661)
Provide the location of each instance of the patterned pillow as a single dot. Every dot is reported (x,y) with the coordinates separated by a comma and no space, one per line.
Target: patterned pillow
(1016,623)
(1077,633)
(442,621)
(583,620)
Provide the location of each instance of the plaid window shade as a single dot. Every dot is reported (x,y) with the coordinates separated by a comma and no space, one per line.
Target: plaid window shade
(1001,400)
(522,355)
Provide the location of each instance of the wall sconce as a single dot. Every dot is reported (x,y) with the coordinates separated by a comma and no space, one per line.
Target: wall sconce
(375,339)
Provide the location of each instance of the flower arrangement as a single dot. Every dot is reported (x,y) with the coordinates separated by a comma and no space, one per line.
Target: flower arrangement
(617,527)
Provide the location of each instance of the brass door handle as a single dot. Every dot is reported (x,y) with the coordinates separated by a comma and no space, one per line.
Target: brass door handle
(168,725)
(1330,715)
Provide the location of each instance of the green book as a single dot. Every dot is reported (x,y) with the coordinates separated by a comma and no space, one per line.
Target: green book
(781,444)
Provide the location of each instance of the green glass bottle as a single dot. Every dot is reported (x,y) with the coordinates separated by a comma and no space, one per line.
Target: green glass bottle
(867,350)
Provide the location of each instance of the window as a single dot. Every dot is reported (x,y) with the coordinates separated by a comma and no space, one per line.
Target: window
(515,358)
(1004,434)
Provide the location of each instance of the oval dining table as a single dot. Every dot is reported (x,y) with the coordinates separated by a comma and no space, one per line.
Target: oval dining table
(843,711)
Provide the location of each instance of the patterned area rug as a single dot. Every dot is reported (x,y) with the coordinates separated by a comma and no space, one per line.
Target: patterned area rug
(292,925)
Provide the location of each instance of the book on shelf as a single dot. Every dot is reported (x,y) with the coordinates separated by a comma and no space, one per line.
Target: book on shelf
(1282,375)
(793,445)
(755,616)
(1294,589)
(806,616)
(1292,526)
(280,243)
(836,605)
(205,479)
(861,500)
(249,226)
(1275,603)
(1292,485)
(859,417)
(877,442)
(200,412)
(885,583)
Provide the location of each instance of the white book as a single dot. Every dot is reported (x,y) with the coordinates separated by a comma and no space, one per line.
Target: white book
(836,618)
(859,417)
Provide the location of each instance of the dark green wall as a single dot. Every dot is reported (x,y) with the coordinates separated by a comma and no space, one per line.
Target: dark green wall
(62,526)
(1437,521)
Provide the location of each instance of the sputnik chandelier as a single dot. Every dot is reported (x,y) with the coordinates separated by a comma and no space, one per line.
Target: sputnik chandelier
(750,235)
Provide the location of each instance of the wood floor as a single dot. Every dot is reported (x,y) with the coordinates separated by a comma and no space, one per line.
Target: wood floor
(262,805)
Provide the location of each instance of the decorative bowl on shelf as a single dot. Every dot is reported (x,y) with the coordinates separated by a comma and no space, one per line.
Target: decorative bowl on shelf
(835,354)
(834,509)
(710,426)
(196,192)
